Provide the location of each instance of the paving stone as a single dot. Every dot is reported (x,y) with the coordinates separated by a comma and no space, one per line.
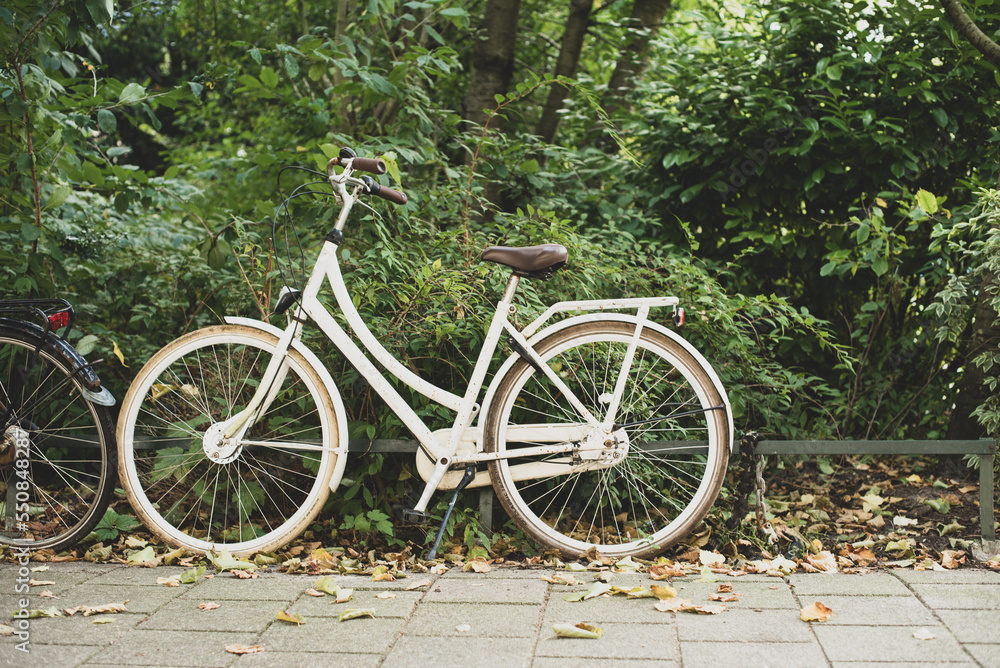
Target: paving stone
(887,643)
(144,599)
(500,572)
(956,576)
(988,656)
(326,634)
(618,641)
(401,605)
(901,664)
(422,651)
(881,610)
(79,630)
(44,655)
(308,660)
(972,626)
(501,591)
(752,595)
(959,596)
(238,616)
(772,655)
(601,608)
(490,620)
(580,662)
(744,625)
(135,576)
(172,648)
(267,587)
(363,582)
(840,584)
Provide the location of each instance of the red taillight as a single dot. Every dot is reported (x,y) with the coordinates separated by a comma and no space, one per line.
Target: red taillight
(59,320)
(678,317)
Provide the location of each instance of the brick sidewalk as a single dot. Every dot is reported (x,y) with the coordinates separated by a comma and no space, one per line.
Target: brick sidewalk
(505,618)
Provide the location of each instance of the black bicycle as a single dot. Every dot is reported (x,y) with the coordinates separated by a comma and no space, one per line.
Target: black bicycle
(57,447)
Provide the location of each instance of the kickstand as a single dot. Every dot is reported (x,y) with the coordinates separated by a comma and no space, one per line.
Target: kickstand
(470,473)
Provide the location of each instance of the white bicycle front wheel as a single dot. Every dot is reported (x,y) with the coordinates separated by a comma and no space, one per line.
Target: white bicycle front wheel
(264,490)
(634,491)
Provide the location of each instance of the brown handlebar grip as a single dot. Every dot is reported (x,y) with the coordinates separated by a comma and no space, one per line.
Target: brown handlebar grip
(391,195)
(372,165)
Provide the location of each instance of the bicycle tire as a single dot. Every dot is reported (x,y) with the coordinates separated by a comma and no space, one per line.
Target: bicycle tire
(266,493)
(655,482)
(65,441)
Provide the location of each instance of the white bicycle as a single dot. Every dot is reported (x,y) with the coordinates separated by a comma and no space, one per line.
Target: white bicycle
(604,429)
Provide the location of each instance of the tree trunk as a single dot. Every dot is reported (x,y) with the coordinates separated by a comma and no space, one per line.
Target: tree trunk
(492,59)
(569,56)
(492,71)
(970,31)
(647,16)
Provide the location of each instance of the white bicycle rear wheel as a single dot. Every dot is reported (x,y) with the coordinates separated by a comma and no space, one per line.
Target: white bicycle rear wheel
(633,492)
(266,490)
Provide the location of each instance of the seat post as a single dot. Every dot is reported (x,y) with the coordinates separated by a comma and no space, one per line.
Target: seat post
(508,295)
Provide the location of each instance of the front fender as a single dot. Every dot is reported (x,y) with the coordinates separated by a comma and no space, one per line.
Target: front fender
(331,389)
(596,317)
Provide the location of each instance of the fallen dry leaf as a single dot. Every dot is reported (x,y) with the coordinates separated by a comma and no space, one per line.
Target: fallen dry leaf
(6,631)
(439,569)
(173,581)
(561,579)
(462,628)
(725,588)
(385,594)
(580,630)
(418,585)
(244,574)
(208,605)
(36,583)
(823,562)
(48,594)
(664,571)
(244,649)
(313,592)
(110,608)
(723,598)
(817,612)
(923,634)
(685,605)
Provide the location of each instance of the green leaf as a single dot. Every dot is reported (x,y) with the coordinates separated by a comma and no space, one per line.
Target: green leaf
(132,93)
(268,76)
(941,116)
(326,584)
(863,232)
(927,202)
(101,10)
(255,54)
(58,197)
(291,65)
(106,121)
(142,556)
(86,345)
(940,505)
(193,575)
(880,266)
(92,173)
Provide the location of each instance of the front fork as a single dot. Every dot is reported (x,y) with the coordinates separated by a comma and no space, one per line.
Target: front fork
(222,440)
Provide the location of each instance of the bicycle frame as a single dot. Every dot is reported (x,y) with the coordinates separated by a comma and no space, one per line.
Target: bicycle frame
(444,453)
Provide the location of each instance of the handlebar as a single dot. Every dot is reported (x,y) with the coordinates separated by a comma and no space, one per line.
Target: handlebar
(371,165)
(384,192)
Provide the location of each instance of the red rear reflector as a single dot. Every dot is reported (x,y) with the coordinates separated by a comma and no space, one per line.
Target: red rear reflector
(58,320)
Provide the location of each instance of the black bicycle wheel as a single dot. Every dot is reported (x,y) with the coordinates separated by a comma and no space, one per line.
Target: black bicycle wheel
(57,454)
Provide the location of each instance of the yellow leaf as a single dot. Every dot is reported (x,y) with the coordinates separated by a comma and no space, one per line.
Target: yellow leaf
(119,354)
(292,619)
(580,630)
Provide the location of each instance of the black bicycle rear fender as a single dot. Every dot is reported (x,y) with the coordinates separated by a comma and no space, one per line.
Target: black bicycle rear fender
(69,355)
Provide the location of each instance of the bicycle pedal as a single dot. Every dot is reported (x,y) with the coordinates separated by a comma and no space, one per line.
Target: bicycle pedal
(411,516)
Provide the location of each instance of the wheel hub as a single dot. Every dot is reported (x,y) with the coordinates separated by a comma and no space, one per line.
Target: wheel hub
(217,447)
(602,449)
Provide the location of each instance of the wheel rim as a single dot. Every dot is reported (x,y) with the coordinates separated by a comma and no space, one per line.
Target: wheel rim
(53,452)
(650,494)
(257,497)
